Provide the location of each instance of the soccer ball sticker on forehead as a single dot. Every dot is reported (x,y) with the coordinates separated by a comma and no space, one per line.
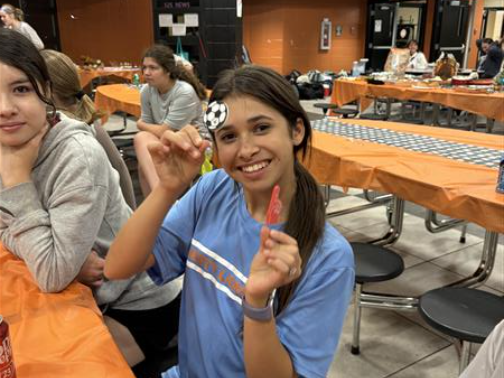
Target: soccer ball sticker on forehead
(216,115)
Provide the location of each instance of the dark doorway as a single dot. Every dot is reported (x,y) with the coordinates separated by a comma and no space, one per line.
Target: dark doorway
(42,16)
(392,24)
(411,24)
(451,22)
(381,33)
(492,25)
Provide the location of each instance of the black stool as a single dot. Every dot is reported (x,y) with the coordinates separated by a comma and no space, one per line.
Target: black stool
(463,313)
(325,106)
(374,116)
(346,113)
(373,263)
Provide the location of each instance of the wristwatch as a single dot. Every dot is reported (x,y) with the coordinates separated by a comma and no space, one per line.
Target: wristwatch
(260,314)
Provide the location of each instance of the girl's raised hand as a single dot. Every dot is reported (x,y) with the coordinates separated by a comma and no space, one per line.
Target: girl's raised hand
(276,264)
(16,162)
(178,157)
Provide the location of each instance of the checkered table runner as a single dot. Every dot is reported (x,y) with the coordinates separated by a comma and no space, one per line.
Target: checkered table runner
(457,151)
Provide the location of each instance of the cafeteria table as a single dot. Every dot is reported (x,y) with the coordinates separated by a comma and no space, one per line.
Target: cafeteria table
(451,172)
(489,105)
(86,75)
(118,97)
(121,97)
(55,335)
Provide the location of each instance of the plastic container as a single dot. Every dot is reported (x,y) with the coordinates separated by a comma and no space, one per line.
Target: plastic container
(355,69)
(500,177)
(361,66)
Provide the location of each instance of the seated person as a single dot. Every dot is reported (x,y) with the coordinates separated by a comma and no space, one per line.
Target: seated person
(491,65)
(171,99)
(61,203)
(265,291)
(417,59)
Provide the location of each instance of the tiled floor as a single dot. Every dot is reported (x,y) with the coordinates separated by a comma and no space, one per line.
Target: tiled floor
(399,344)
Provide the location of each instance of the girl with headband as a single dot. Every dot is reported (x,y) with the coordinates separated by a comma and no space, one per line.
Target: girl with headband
(60,199)
(13,18)
(266,286)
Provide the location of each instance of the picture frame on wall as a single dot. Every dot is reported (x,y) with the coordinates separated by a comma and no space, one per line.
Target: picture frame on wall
(325,34)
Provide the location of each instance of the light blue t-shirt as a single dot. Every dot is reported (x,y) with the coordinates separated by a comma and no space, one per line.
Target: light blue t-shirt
(210,236)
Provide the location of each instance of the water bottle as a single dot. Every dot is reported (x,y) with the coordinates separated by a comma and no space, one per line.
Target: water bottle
(500,177)
(355,69)
(136,80)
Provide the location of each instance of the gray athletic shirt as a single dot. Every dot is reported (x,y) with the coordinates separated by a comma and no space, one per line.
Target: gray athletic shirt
(176,108)
(31,34)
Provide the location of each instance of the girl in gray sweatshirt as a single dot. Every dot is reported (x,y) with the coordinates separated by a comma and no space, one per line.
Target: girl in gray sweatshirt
(59,195)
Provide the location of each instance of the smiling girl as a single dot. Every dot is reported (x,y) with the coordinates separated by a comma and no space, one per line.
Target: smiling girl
(259,299)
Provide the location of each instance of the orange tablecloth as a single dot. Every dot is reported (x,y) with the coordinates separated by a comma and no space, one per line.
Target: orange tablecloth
(488,105)
(118,97)
(55,335)
(87,75)
(457,189)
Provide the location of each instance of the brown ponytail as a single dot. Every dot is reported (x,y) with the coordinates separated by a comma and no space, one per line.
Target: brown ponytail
(305,224)
(67,90)
(182,74)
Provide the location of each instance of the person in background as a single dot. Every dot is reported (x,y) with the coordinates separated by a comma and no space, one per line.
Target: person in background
(13,18)
(68,95)
(171,99)
(61,202)
(264,296)
(481,54)
(494,56)
(417,60)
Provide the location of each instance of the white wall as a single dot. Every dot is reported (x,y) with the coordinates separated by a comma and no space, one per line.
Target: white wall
(493,3)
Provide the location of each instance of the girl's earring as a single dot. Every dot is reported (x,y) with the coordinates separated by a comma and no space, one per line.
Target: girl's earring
(52,117)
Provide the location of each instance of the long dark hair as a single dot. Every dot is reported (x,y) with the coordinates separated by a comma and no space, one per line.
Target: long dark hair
(19,52)
(306,218)
(163,55)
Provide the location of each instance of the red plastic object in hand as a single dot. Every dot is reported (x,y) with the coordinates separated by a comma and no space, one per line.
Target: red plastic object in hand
(275,206)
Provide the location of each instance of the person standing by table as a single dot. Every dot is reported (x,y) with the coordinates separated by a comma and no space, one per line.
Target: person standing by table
(13,18)
(60,198)
(417,60)
(494,55)
(262,297)
(171,99)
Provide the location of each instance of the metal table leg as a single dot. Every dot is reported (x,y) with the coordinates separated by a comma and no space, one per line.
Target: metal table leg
(435,225)
(480,276)
(396,224)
